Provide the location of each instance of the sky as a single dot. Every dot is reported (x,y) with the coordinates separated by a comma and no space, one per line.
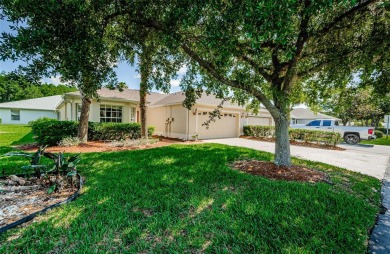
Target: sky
(125,72)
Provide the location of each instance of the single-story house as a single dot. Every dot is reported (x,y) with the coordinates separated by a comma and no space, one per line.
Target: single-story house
(165,112)
(304,115)
(22,112)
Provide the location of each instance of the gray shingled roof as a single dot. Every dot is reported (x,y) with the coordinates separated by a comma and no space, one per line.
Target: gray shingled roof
(178,98)
(125,95)
(304,113)
(43,103)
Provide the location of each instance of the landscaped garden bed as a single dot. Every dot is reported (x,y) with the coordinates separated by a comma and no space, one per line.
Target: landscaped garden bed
(107,146)
(40,188)
(270,170)
(21,197)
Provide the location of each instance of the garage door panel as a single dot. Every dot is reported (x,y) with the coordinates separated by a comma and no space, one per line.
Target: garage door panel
(226,127)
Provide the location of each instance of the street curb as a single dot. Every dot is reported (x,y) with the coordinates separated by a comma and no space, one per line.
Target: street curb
(379,242)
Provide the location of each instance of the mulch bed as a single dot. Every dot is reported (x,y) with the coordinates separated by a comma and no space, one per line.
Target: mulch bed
(270,170)
(101,146)
(27,196)
(297,143)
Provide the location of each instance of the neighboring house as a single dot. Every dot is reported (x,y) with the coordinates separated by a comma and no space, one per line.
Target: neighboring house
(303,116)
(22,112)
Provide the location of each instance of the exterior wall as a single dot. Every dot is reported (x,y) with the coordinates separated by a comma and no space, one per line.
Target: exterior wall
(69,109)
(264,118)
(195,121)
(169,121)
(26,115)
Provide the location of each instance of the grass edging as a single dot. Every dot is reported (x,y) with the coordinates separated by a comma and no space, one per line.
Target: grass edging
(44,210)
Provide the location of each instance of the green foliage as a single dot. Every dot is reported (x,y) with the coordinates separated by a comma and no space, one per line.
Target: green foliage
(379,134)
(329,138)
(69,141)
(35,159)
(52,132)
(384,130)
(326,137)
(14,87)
(384,141)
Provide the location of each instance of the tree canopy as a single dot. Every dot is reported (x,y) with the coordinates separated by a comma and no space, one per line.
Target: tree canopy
(264,52)
(14,88)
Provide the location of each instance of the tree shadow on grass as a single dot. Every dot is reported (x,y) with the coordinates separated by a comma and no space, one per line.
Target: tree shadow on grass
(185,198)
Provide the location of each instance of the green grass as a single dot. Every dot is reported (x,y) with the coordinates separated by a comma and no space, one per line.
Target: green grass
(185,198)
(12,134)
(379,141)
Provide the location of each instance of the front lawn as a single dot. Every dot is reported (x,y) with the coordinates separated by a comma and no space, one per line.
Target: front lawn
(184,199)
(379,141)
(12,134)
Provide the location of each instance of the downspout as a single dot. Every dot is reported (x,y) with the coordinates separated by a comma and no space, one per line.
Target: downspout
(188,124)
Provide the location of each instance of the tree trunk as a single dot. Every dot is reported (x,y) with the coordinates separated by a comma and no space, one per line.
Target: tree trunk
(282,143)
(145,70)
(142,106)
(84,117)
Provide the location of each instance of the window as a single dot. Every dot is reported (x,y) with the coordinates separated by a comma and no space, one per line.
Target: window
(327,123)
(132,115)
(109,113)
(314,123)
(78,111)
(15,115)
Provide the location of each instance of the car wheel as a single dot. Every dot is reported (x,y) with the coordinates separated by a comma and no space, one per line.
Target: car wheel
(351,139)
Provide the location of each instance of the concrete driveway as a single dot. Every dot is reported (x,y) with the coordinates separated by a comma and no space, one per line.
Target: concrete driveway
(366,160)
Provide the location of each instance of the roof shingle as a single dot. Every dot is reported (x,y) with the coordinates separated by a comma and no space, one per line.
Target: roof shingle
(43,103)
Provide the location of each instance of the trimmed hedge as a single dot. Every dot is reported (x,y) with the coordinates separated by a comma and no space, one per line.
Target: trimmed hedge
(50,131)
(379,134)
(329,138)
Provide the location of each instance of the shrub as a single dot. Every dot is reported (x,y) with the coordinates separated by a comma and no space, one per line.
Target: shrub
(259,131)
(383,130)
(52,132)
(1,121)
(151,130)
(69,141)
(379,134)
(329,138)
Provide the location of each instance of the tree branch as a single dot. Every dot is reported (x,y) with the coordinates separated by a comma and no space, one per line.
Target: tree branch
(212,70)
(346,14)
(299,45)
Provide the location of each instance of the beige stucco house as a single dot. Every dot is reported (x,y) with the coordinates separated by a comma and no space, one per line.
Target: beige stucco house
(166,113)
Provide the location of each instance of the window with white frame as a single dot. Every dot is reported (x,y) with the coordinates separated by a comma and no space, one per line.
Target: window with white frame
(78,111)
(15,114)
(132,115)
(110,113)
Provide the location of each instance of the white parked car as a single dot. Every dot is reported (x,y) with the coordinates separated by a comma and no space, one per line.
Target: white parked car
(350,134)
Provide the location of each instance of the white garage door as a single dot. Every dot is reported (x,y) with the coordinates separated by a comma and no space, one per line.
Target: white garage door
(262,121)
(226,127)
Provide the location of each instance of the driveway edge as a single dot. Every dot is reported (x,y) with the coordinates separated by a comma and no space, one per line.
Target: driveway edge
(380,238)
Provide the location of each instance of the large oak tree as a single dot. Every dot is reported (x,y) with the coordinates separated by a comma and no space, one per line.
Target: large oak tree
(65,38)
(265,51)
